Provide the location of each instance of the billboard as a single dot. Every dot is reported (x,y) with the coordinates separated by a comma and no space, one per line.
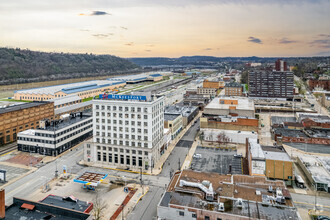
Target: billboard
(123,97)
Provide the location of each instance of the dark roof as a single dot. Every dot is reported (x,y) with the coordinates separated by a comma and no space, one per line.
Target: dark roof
(69,202)
(170,117)
(41,211)
(233,84)
(280,120)
(290,132)
(21,106)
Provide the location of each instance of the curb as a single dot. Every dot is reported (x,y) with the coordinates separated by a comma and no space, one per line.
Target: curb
(142,196)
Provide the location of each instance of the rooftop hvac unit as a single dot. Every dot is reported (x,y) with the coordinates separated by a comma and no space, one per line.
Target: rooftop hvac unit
(239,203)
(221,207)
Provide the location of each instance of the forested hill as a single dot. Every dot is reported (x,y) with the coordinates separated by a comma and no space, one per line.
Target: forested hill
(19,66)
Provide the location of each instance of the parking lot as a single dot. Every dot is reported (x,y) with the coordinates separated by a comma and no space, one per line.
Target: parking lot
(216,160)
(12,172)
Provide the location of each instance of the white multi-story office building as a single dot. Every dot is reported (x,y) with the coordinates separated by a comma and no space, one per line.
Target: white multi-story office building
(53,138)
(127,131)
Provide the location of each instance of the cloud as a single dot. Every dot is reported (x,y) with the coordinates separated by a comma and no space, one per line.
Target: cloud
(150,45)
(129,44)
(95,13)
(148,50)
(101,35)
(85,30)
(285,40)
(324,35)
(254,40)
(208,48)
(125,28)
(323,41)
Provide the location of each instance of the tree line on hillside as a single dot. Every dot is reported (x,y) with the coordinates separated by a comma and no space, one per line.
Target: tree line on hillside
(21,66)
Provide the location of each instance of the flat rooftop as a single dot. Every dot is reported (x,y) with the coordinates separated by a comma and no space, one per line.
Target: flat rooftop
(65,123)
(73,107)
(185,111)
(69,202)
(243,104)
(22,209)
(69,88)
(21,106)
(280,120)
(65,99)
(318,167)
(170,117)
(253,190)
(290,132)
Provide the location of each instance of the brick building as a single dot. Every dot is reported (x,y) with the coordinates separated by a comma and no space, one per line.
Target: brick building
(233,89)
(324,84)
(281,65)
(17,118)
(211,196)
(229,123)
(272,162)
(213,84)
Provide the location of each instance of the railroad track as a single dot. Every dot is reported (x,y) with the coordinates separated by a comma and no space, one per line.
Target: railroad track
(8,148)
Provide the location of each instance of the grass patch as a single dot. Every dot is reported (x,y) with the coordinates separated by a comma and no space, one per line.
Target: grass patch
(14,100)
(87,99)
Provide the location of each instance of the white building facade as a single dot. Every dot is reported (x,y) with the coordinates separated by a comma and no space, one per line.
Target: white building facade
(127,133)
(52,140)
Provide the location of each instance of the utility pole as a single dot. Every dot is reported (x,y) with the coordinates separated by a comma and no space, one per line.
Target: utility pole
(141,180)
(179,164)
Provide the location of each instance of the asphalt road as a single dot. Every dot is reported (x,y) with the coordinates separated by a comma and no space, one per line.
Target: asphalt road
(28,184)
(308,202)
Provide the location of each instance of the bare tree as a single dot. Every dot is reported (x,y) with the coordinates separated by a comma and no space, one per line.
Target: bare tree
(222,138)
(99,206)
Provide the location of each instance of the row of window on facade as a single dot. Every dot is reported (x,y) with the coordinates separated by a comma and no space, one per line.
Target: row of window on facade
(120,142)
(57,141)
(121,108)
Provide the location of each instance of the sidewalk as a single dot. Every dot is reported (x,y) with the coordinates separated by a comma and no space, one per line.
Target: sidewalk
(159,165)
(189,157)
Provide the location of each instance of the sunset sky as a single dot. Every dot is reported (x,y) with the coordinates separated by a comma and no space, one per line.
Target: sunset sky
(171,28)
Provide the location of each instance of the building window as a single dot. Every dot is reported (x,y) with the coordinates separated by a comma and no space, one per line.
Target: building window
(134,160)
(122,159)
(99,156)
(207,217)
(104,157)
(181,213)
(116,158)
(194,215)
(110,158)
(140,161)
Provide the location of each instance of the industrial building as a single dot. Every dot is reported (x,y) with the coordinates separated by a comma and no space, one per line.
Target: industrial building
(55,137)
(127,131)
(138,78)
(203,195)
(82,89)
(316,169)
(270,161)
(196,100)
(230,106)
(188,112)
(17,118)
(267,84)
